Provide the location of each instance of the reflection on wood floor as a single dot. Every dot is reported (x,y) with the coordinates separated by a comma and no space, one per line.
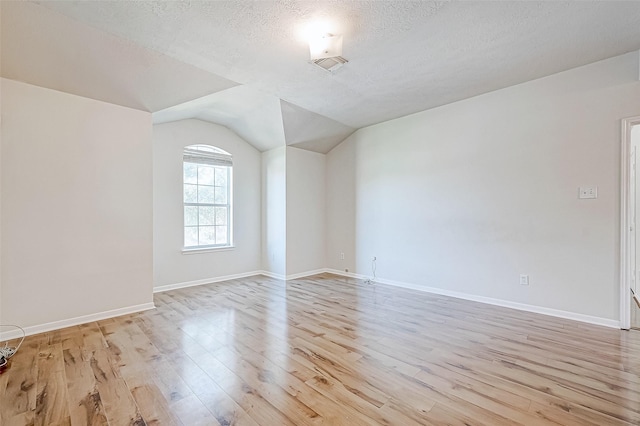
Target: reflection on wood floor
(324,350)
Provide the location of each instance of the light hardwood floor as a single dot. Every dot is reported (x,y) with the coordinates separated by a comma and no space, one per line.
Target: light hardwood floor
(324,350)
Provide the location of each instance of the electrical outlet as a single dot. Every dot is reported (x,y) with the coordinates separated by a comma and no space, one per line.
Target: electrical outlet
(524,279)
(341,256)
(586,192)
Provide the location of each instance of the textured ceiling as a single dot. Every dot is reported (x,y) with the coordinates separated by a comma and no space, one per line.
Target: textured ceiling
(404,56)
(50,50)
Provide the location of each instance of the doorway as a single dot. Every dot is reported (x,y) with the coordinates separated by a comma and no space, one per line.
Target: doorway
(634,307)
(629,221)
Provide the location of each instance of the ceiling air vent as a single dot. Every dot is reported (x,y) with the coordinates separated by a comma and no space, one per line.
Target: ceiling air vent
(330,64)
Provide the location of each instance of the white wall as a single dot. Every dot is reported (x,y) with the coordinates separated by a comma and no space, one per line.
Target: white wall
(340,206)
(76,206)
(468,196)
(274,211)
(305,181)
(170,265)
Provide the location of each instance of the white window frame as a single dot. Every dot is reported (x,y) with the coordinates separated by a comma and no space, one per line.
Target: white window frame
(208,155)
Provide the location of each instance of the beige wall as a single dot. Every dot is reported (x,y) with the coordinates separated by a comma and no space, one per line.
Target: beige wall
(76,207)
(466,197)
(274,211)
(170,265)
(305,211)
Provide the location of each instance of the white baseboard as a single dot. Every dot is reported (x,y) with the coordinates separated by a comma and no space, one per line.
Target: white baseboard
(55,325)
(273,275)
(12,334)
(185,284)
(293,276)
(346,274)
(606,322)
(306,274)
(204,281)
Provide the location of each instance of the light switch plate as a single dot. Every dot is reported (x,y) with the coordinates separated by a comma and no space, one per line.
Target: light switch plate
(586,192)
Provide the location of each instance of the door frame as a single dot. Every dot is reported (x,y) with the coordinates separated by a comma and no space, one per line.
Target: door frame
(626,220)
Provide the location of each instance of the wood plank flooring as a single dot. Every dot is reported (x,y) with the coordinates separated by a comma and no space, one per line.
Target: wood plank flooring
(325,350)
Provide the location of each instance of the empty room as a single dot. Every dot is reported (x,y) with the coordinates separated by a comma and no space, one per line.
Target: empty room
(319,213)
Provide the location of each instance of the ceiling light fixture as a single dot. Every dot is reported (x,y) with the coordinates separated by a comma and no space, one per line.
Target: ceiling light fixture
(325,51)
(325,46)
(330,64)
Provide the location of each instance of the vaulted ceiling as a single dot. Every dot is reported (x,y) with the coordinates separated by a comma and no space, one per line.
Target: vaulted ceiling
(244,64)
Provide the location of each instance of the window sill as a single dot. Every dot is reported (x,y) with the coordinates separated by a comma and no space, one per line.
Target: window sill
(206,249)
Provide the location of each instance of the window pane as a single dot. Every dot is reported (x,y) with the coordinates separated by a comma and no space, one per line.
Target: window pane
(190,173)
(205,175)
(190,193)
(190,236)
(207,235)
(190,216)
(221,215)
(221,176)
(221,195)
(203,185)
(206,215)
(205,194)
(221,235)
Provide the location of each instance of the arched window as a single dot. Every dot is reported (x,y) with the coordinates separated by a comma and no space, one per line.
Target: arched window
(207,197)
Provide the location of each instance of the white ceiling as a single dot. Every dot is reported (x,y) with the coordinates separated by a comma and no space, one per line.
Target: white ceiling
(253,115)
(50,50)
(264,120)
(404,56)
